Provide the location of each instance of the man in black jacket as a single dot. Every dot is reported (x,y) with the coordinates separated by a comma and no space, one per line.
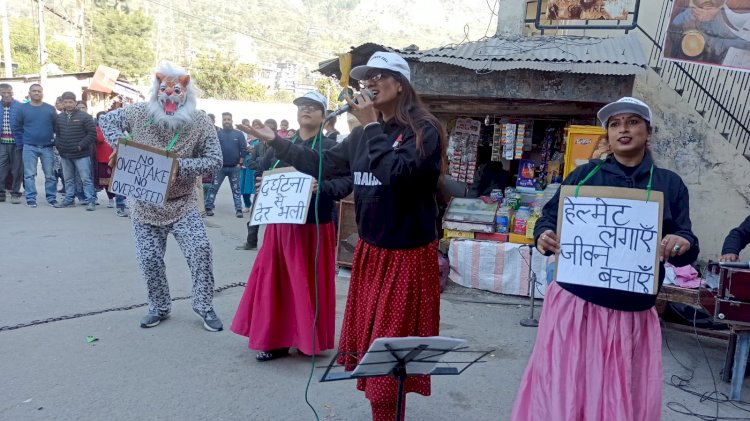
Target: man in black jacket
(736,240)
(75,135)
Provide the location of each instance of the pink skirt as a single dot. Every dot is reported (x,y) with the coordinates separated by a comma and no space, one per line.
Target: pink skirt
(278,305)
(591,363)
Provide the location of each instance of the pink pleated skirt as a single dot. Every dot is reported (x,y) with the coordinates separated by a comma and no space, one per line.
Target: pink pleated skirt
(591,363)
(277,308)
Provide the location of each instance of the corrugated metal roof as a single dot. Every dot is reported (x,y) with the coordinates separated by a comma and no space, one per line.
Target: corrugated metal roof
(609,56)
(570,54)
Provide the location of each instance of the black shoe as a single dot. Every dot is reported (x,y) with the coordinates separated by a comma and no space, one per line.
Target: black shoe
(209,212)
(246,246)
(272,354)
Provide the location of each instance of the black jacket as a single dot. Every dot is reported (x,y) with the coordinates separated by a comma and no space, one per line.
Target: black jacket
(330,189)
(75,134)
(737,239)
(676,220)
(394,183)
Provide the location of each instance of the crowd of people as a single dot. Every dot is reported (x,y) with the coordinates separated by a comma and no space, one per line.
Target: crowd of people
(68,143)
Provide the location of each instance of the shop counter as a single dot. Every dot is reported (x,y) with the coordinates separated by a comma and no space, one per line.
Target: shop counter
(497,267)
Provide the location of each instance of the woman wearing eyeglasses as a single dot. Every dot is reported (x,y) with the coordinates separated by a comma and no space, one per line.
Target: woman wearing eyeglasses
(396,158)
(597,354)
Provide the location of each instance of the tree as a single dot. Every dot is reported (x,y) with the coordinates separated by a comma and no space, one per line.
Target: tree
(24,46)
(221,77)
(330,88)
(121,41)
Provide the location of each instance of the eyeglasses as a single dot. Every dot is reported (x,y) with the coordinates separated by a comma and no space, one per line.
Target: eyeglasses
(308,107)
(372,78)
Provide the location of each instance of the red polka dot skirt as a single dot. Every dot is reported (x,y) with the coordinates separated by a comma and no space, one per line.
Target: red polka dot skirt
(393,293)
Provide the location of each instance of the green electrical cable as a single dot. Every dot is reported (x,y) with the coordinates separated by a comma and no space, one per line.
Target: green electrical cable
(319,142)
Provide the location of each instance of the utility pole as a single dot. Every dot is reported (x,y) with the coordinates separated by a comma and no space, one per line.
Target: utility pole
(82,33)
(42,45)
(510,18)
(6,39)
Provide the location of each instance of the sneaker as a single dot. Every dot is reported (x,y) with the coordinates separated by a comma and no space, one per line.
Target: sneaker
(31,203)
(238,214)
(52,203)
(246,210)
(211,321)
(209,212)
(111,203)
(246,246)
(153,318)
(15,200)
(91,207)
(122,212)
(64,204)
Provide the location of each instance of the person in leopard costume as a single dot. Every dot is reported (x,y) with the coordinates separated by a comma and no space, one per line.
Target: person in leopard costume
(171,114)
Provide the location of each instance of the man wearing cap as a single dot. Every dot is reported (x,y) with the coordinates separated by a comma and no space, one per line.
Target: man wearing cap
(617,330)
(279,303)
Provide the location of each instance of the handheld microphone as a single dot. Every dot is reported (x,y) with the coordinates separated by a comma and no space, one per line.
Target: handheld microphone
(345,108)
(735,265)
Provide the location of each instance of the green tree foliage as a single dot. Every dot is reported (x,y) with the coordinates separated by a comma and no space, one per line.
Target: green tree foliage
(331,89)
(24,46)
(221,77)
(121,40)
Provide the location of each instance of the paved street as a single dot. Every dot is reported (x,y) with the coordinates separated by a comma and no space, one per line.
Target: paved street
(59,262)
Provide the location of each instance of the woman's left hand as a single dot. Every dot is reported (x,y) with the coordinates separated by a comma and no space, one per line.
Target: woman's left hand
(673,245)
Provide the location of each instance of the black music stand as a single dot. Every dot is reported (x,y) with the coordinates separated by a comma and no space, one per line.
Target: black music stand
(402,358)
(531,321)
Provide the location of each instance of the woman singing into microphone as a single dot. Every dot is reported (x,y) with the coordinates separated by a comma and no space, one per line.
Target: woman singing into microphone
(597,354)
(396,158)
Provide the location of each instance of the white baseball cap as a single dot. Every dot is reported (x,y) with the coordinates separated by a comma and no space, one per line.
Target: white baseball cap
(314,97)
(624,105)
(383,60)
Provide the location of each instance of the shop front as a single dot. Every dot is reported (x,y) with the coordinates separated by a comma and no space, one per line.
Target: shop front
(520,114)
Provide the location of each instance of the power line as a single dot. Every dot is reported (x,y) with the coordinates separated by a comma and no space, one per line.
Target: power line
(276,43)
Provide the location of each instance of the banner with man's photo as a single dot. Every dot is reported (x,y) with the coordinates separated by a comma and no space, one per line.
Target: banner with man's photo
(710,32)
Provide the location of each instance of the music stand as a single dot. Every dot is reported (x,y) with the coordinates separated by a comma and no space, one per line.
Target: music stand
(402,358)
(531,321)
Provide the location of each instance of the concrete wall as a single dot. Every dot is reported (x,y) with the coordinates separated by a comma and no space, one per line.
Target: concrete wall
(715,173)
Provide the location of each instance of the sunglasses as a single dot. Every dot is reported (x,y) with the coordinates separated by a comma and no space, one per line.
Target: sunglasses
(373,78)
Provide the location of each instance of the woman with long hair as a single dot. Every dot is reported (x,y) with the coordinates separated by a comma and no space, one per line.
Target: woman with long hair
(396,159)
(597,354)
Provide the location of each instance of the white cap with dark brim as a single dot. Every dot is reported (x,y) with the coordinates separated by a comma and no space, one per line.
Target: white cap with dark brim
(624,105)
(385,61)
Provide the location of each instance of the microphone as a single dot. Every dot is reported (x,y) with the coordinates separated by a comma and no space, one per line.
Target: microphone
(345,108)
(735,265)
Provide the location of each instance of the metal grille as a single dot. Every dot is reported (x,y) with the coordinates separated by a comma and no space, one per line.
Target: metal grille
(721,96)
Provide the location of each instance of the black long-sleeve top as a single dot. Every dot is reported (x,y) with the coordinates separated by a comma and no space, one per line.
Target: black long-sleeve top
(394,182)
(676,220)
(330,188)
(737,238)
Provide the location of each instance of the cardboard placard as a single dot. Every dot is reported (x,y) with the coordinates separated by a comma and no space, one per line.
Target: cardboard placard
(142,173)
(283,198)
(609,238)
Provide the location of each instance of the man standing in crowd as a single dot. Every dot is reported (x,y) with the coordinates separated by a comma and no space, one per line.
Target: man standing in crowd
(76,134)
(10,153)
(256,164)
(233,148)
(33,128)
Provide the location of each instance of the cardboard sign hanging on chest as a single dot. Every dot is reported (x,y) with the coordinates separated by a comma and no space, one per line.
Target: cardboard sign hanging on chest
(142,173)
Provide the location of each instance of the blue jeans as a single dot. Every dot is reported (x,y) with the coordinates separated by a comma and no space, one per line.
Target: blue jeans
(119,201)
(30,155)
(233,173)
(80,167)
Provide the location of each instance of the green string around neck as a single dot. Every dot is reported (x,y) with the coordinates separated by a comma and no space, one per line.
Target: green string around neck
(294,139)
(599,166)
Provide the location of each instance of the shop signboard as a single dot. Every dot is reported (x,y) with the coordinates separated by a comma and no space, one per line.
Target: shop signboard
(609,238)
(589,9)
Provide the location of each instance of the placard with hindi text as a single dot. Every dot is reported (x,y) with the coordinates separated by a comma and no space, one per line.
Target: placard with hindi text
(283,198)
(609,238)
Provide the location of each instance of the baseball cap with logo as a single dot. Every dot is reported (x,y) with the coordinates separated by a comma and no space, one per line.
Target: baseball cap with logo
(312,96)
(383,60)
(624,105)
